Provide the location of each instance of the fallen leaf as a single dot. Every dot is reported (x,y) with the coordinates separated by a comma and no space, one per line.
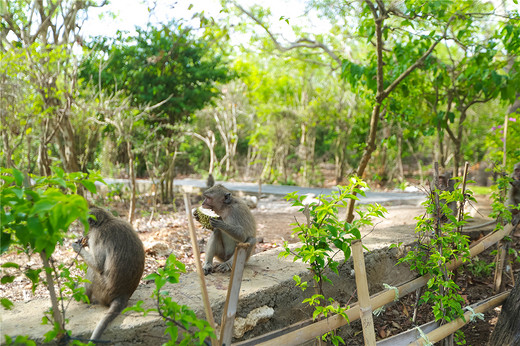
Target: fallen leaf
(405,311)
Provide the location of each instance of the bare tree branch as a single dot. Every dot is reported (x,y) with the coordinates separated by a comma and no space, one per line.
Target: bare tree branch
(303,42)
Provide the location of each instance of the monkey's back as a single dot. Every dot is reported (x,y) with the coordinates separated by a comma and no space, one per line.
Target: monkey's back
(123,263)
(243,216)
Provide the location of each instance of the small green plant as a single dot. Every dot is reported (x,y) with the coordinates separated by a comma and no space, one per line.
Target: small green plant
(499,190)
(442,227)
(480,268)
(175,315)
(35,216)
(323,237)
(116,192)
(401,185)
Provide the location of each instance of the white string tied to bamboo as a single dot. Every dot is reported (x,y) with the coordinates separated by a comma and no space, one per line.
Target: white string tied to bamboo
(424,337)
(396,290)
(474,315)
(380,310)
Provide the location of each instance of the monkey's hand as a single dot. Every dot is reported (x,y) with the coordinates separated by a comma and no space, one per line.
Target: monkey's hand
(196,214)
(80,243)
(207,268)
(76,246)
(217,223)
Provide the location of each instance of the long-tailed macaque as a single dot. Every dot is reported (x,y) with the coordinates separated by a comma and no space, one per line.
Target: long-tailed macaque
(513,199)
(237,225)
(210,181)
(115,260)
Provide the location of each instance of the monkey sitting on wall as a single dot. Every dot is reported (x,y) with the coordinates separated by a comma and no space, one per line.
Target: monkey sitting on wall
(210,181)
(513,199)
(236,225)
(115,262)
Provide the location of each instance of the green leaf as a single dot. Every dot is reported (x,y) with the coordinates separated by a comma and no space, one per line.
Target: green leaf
(6,303)
(11,265)
(5,241)
(89,185)
(33,275)
(41,206)
(18,176)
(7,279)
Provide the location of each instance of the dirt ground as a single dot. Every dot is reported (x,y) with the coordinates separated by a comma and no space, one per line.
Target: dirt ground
(167,231)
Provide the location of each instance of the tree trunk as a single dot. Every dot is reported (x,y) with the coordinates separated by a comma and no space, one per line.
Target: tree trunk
(439,154)
(382,93)
(507,329)
(400,154)
(66,143)
(44,163)
(210,142)
(56,312)
(131,209)
(339,161)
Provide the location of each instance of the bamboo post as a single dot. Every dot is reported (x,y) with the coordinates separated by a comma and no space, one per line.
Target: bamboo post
(500,259)
(451,327)
(297,335)
(196,254)
(230,307)
(365,309)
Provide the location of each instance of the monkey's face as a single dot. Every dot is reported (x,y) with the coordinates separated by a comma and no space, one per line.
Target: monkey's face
(208,201)
(516,172)
(216,198)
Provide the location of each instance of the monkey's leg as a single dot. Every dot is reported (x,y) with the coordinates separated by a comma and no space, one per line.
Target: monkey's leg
(252,241)
(88,285)
(211,250)
(228,265)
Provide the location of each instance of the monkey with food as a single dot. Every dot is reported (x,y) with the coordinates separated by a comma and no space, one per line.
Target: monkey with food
(234,224)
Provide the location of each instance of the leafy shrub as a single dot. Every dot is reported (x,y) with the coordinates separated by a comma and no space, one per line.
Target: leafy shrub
(323,236)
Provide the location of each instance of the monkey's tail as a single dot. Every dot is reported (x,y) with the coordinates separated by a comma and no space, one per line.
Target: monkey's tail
(115,309)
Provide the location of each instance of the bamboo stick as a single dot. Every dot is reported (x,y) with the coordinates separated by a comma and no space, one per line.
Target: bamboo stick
(309,332)
(451,327)
(365,309)
(230,307)
(500,260)
(196,254)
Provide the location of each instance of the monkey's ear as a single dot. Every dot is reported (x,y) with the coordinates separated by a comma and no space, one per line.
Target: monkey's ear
(227,198)
(92,220)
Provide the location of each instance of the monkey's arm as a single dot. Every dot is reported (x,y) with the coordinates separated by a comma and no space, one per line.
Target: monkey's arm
(94,262)
(236,232)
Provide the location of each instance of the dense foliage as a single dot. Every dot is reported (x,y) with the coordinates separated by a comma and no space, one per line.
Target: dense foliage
(385,90)
(338,98)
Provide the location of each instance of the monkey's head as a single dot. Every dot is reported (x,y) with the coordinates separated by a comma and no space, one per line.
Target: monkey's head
(516,171)
(100,216)
(217,198)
